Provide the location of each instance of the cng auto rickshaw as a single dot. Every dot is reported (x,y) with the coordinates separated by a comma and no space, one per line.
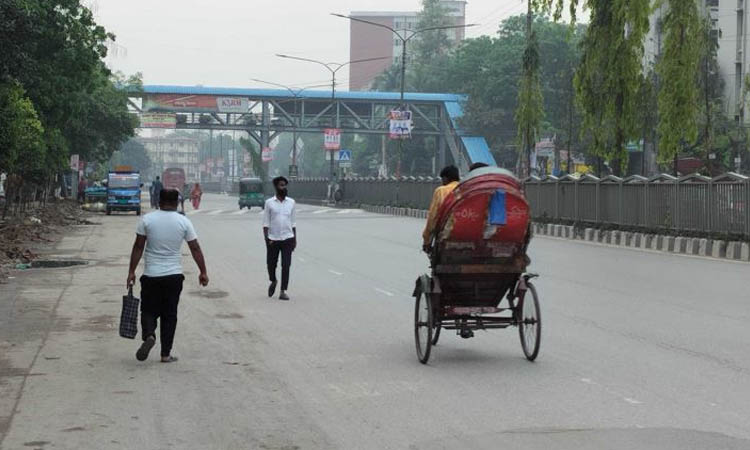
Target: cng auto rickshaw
(251,193)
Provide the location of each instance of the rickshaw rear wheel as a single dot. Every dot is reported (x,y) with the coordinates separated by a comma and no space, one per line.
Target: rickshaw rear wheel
(423,326)
(530,323)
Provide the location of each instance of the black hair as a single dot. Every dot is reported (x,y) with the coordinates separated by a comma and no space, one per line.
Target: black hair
(169,196)
(157,177)
(451,173)
(278,180)
(478,165)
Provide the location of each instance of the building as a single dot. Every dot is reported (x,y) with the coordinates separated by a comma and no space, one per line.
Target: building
(368,41)
(173,152)
(729,19)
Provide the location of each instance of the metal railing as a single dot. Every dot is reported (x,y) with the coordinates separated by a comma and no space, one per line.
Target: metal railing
(692,203)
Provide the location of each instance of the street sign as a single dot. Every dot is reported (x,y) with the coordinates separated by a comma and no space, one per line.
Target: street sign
(345,155)
(74,162)
(293,171)
(332,139)
(400,124)
(267,154)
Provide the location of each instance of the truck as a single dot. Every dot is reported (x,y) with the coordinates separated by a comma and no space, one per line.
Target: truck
(124,191)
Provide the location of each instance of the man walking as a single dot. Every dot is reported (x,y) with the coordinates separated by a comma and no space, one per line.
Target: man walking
(156,188)
(161,234)
(280,233)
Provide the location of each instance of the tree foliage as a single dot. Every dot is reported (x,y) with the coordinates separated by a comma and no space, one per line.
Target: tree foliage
(609,75)
(529,112)
(678,70)
(54,50)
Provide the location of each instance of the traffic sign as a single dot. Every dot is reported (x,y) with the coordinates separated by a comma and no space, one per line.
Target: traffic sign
(293,171)
(332,139)
(345,155)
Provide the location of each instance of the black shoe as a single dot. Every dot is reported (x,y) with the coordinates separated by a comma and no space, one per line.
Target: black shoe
(272,289)
(283,296)
(148,344)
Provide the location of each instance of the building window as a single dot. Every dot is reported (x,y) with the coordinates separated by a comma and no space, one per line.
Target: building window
(712,3)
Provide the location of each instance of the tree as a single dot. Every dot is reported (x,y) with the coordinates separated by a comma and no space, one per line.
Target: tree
(608,78)
(679,87)
(430,48)
(132,153)
(529,113)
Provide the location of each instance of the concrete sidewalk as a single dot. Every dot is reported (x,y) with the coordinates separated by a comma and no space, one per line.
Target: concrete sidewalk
(67,380)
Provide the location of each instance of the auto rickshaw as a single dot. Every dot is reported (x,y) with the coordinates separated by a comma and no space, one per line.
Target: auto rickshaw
(251,193)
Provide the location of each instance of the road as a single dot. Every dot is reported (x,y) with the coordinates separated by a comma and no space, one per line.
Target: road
(640,350)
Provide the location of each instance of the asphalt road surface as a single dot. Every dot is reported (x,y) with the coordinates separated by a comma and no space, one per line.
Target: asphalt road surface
(640,350)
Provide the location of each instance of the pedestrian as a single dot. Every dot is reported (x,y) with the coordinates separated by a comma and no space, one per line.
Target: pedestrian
(81,190)
(195,195)
(280,233)
(156,188)
(160,235)
(449,177)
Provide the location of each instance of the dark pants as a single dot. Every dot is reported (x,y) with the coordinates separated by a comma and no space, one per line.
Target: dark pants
(272,259)
(159,299)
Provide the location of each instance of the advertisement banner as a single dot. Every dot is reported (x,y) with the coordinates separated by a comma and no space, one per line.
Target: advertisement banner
(151,120)
(195,103)
(74,162)
(332,139)
(400,124)
(267,154)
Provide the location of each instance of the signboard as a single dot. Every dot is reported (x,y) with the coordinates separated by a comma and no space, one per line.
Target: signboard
(267,154)
(74,162)
(345,156)
(195,103)
(293,171)
(332,139)
(400,124)
(152,120)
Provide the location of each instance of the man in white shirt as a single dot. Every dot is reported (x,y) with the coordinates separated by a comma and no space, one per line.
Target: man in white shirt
(160,234)
(280,232)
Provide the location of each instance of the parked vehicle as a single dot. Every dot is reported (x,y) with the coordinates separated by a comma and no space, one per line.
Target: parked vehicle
(124,192)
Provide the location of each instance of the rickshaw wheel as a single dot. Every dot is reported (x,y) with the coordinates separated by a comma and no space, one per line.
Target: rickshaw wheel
(436,333)
(423,326)
(530,323)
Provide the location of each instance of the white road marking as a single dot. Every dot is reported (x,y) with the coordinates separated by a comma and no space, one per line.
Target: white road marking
(632,401)
(389,294)
(194,211)
(240,212)
(586,380)
(301,259)
(321,211)
(216,212)
(345,211)
(334,272)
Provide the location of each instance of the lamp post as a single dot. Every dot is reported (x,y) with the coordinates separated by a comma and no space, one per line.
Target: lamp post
(333,68)
(295,93)
(404,37)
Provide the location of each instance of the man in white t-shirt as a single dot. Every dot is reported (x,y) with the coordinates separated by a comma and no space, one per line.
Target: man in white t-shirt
(280,232)
(161,234)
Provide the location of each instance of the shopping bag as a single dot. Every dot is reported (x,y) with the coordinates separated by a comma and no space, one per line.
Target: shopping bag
(129,316)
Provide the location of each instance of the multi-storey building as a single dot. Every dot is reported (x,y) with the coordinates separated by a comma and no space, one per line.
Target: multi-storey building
(173,152)
(368,41)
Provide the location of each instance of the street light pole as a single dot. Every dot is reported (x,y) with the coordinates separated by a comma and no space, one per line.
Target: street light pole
(333,68)
(404,40)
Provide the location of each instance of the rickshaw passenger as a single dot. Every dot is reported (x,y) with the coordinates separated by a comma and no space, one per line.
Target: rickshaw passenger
(450,177)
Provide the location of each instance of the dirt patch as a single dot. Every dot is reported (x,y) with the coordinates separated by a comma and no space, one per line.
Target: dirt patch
(230,316)
(22,235)
(209,293)
(56,263)
(70,430)
(36,443)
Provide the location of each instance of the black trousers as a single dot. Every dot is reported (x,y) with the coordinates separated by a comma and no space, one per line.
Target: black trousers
(159,299)
(273,250)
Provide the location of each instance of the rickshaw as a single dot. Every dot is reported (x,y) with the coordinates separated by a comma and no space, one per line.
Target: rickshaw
(478,260)
(251,193)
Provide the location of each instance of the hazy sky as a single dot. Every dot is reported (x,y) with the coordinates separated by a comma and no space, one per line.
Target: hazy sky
(188,42)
